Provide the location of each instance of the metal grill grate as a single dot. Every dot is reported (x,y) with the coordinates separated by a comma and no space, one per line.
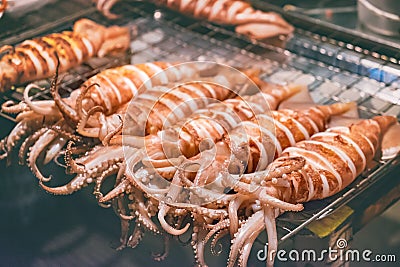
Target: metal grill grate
(332,71)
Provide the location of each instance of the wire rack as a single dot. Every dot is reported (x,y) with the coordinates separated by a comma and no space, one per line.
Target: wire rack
(333,70)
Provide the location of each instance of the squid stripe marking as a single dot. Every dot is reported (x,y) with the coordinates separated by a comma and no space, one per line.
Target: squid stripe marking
(299,126)
(102,94)
(263,155)
(286,130)
(116,91)
(342,155)
(88,45)
(349,140)
(217,7)
(269,133)
(49,60)
(34,59)
(200,5)
(227,117)
(233,10)
(146,81)
(158,71)
(130,84)
(296,151)
(72,43)
(313,124)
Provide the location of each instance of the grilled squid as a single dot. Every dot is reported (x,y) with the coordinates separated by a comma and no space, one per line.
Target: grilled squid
(148,113)
(198,90)
(158,107)
(252,145)
(185,138)
(254,23)
(327,163)
(106,91)
(101,103)
(293,126)
(38,58)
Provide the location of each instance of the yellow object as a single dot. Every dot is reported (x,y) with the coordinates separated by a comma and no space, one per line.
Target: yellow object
(328,225)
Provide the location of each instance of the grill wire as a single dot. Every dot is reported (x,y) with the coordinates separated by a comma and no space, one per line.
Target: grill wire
(334,71)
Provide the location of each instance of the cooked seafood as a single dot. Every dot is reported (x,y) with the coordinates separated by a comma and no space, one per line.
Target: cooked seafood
(254,23)
(201,153)
(45,56)
(274,96)
(38,58)
(253,144)
(97,112)
(225,115)
(127,79)
(328,163)
(280,168)
(186,138)
(107,91)
(332,159)
(161,106)
(294,126)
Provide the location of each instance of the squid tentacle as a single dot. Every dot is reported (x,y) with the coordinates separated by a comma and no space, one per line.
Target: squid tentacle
(223,224)
(117,190)
(10,107)
(59,142)
(124,234)
(111,134)
(142,213)
(136,236)
(215,240)
(163,210)
(162,256)
(264,197)
(37,107)
(68,113)
(22,128)
(197,245)
(79,100)
(253,224)
(173,193)
(113,169)
(72,166)
(120,209)
(233,213)
(28,143)
(3,149)
(269,220)
(35,151)
(74,185)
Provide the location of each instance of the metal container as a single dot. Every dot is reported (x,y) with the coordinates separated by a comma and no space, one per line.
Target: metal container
(380,16)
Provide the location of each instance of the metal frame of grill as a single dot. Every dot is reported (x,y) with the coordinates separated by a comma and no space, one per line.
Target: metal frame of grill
(335,70)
